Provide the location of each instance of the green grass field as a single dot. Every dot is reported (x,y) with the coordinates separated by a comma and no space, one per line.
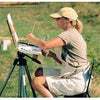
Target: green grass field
(24,17)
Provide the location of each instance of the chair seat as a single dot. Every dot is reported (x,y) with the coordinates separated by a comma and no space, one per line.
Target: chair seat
(78,95)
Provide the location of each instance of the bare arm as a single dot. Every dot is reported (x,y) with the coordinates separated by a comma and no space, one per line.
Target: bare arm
(56,42)
(53,55)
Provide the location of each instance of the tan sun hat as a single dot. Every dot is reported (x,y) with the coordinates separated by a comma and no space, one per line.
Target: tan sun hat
(66,12)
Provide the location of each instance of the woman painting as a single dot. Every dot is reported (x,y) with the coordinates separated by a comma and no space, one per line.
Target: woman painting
(70,52)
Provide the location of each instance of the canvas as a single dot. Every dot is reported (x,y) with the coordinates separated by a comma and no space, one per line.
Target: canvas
(22,47)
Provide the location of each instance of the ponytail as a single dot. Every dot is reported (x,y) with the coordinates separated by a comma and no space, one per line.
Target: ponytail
(79,26)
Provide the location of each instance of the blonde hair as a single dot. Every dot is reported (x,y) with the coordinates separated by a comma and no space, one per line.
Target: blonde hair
(79,26)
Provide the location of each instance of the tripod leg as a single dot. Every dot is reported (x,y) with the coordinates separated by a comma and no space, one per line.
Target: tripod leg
(20,84)
(29,78)
(4,84)
(23,79)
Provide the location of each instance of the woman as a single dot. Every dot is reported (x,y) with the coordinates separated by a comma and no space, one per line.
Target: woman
(70,52)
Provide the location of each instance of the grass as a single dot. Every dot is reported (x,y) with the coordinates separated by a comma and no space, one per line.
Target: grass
(24,17)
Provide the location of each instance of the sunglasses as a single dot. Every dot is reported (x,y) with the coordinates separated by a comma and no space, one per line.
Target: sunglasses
(62,17)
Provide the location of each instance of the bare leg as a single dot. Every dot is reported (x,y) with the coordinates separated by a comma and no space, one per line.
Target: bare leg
(40,85)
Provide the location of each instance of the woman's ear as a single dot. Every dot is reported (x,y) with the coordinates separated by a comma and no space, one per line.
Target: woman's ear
(73,22)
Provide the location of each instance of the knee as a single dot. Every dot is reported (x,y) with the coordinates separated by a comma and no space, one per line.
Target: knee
(38,82)
(39,72)
(35,83)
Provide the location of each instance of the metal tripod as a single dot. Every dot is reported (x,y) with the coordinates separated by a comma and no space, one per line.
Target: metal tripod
(22,63)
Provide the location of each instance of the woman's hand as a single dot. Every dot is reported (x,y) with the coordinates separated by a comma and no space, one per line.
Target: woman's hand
(31,37)
(43,53)
(51,54)
(38,42)
(48,53)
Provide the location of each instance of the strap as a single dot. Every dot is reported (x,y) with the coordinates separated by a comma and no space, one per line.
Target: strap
(82,69)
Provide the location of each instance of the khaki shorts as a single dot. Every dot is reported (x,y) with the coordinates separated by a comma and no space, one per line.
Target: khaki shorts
(72,85)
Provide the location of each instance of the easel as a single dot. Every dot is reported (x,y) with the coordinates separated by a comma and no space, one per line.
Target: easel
(22,63)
